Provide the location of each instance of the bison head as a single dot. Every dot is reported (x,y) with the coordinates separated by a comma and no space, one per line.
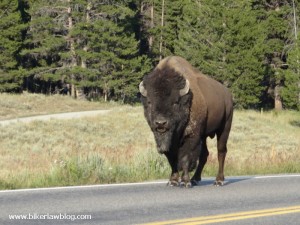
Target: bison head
(166,98)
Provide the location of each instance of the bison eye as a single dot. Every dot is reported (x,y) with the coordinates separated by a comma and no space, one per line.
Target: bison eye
(148,102)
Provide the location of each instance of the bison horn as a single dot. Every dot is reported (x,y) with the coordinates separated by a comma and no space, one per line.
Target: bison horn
(142,89)
(186,89)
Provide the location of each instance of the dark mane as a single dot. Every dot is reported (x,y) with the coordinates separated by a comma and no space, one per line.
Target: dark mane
(165,78)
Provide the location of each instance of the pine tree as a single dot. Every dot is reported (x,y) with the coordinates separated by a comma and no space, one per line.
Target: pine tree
(224,41)
(244,55)
(12,25)
(106,43)
(46,43)
(144,22)
(159,26)
(291,89)
(103,48)
(274,18)
(200,33)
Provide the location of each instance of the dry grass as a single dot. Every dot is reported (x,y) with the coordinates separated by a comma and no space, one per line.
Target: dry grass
(262,143)
(119,147)
(108,148)
(14,106)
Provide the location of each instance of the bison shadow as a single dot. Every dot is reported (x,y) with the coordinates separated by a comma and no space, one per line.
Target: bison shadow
(228,181)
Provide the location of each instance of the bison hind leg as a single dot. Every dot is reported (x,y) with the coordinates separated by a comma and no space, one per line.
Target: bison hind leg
(219,183)
(222,137)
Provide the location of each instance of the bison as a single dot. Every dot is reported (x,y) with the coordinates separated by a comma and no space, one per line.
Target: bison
(183,107)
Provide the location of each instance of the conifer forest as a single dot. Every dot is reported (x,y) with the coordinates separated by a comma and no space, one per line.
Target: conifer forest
(101,49)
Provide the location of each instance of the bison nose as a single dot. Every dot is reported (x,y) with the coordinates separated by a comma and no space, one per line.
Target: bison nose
(160,123)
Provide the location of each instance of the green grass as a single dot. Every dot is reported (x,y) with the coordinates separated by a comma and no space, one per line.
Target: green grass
(119,147)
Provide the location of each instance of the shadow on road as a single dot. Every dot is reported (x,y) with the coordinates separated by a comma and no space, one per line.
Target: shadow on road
(235,180)
(228,181)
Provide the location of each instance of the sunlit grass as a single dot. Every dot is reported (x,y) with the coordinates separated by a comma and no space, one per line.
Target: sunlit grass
(119,147)
(14,106)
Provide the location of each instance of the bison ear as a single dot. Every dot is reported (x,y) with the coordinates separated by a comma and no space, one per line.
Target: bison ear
(186,89)
(142,89)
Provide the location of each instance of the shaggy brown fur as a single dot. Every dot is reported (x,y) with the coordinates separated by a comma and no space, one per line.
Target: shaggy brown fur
(181,119)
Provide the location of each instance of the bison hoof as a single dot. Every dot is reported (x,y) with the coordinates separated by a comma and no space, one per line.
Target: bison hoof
(218,183)
(173,183)
(186,184)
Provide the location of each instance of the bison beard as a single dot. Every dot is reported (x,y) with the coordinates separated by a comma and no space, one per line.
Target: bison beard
(183,107)
(163,141)
(170,138)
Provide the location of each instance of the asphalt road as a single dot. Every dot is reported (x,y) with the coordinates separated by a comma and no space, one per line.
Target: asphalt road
(272,196)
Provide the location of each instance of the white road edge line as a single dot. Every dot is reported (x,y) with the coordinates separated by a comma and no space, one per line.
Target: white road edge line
(82,187)
(277,176)
(134,184)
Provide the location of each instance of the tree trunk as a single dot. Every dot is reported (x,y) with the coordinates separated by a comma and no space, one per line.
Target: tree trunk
(88,20)
(151,25)
(105,91)
(161,33)
(147,11)
(80,91)
(296,46)
(72,49)
(277,98)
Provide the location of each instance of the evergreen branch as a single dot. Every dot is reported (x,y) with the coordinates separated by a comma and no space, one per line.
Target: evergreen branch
(4,12)
(38,75)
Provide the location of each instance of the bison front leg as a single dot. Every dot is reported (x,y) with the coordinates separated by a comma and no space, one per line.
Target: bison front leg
(174,178)
(185,177)
(188,155)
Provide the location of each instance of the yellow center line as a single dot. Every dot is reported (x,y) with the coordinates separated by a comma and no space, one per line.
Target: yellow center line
(231,216)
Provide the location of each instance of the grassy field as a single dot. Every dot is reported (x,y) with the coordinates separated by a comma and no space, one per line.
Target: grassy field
(14,106)
(119,147)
